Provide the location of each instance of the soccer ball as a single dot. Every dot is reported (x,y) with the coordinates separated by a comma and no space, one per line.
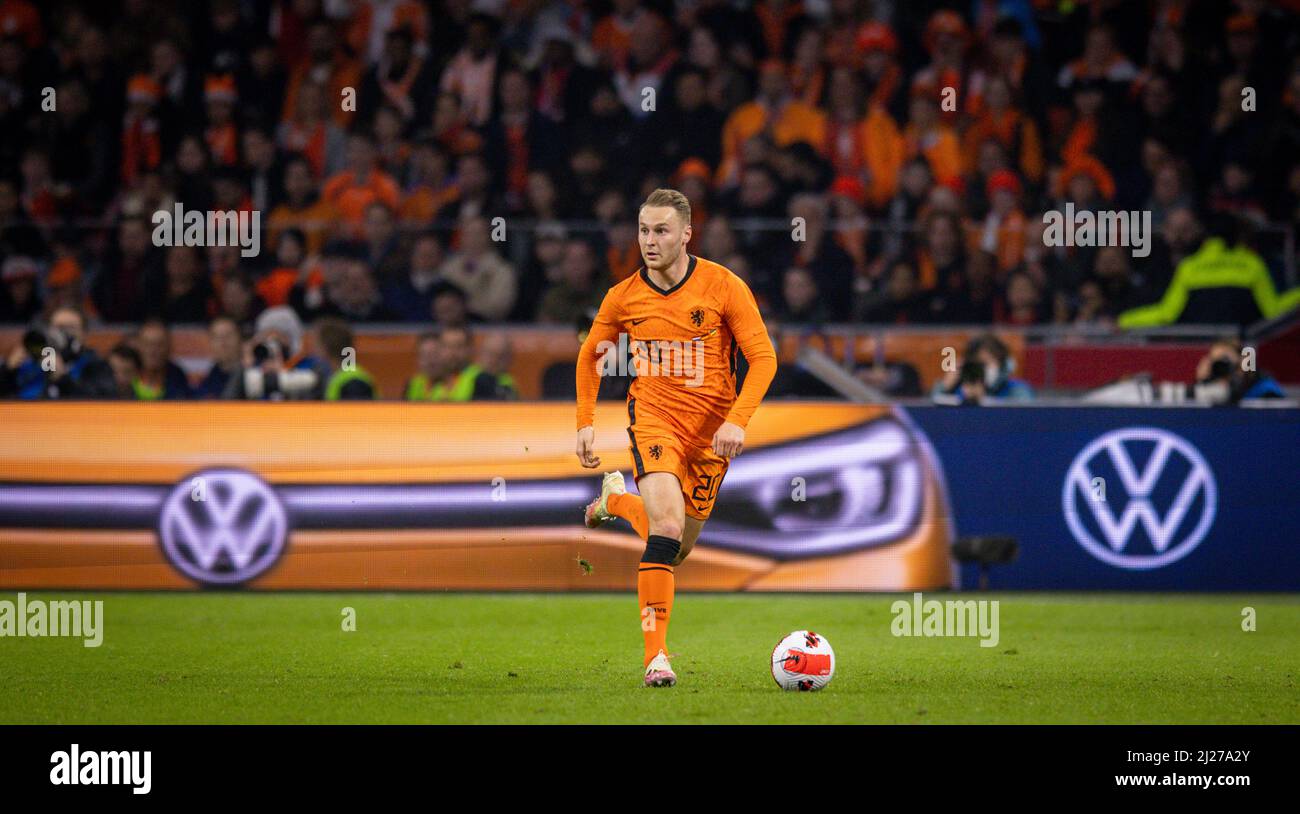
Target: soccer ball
(803,661)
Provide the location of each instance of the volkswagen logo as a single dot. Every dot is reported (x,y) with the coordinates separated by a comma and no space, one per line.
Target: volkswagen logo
(1153,504)
(222,526)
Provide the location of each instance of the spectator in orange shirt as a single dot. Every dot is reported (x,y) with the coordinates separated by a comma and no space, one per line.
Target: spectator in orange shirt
(1007,55)
(361,184)
(778,20)
(692,179)
(400,78)
(940,257)
(141,136)
(65,282)
(430,186)
(373,21)
(290,256)
(302,208)
(774,111)
(427,178)
(1085,181)
(40,191)
(611,38)
(946,39)
(1083,136)
(327,65)
(807,70)
(928,136)
(1002,233)
(1010,127)
(448,128)
(885,85)
(311,133)
(862,141)
(221,135)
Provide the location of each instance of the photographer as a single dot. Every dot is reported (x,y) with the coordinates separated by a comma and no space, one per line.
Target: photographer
(53,363)
(985,373)
(274,364)
(1221,376)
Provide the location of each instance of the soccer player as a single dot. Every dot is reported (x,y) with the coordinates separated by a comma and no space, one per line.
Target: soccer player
(683,319)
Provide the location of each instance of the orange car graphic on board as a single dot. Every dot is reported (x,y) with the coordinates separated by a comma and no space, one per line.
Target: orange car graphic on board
(393,496)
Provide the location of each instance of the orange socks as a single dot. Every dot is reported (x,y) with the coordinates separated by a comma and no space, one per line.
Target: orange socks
(654,593)
(631,508)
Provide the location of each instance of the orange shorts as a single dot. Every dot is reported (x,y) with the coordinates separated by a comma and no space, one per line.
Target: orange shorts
(657,447)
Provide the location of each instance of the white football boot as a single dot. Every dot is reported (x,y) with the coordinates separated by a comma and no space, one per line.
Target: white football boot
(597,514)
(659,673)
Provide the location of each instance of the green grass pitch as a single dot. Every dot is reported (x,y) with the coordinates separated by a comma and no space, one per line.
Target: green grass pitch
(571,658)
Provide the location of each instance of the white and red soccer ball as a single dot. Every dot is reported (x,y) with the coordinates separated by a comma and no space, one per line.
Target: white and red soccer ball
(803,661)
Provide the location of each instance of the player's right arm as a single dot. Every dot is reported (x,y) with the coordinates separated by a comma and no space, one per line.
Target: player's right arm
(603,334)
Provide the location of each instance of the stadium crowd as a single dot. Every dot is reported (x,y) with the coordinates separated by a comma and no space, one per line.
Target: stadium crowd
(456,162)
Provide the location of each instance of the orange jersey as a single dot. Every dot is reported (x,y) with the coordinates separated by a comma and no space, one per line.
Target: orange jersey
(684,342)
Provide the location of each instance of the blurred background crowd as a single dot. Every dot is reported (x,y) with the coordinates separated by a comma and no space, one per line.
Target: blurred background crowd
(447,163)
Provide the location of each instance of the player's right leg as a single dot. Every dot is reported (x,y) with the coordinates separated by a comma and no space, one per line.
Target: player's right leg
(666,513)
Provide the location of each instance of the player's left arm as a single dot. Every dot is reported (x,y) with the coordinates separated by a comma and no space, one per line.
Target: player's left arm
(741,315)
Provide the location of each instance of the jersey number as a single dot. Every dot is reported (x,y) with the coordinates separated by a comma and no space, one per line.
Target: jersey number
(704,493)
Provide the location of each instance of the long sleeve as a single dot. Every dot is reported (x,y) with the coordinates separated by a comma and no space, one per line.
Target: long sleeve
(751,337)
(604,330)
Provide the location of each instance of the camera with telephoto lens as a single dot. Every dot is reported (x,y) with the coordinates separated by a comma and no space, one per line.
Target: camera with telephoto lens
(972,372)
(1221,370)
(267,349)
(35,341)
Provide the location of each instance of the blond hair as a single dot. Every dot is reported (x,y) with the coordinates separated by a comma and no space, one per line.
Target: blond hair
(673,198)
